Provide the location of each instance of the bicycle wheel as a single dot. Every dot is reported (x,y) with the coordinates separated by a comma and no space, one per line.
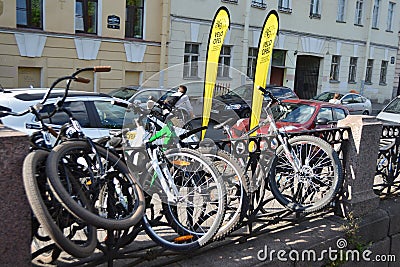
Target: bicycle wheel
(75,237)
(318,181)
(193,219)
(116,198)
(237,190)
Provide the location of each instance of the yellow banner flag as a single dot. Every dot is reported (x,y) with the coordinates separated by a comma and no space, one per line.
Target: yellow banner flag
(265,47)
(219,28)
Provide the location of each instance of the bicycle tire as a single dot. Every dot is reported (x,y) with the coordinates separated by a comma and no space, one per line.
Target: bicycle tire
(34,177)
(237,187)
(168,229)
(321,168)
(76,158)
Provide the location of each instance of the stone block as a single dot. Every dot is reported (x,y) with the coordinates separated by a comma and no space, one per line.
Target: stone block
(360,152)
(15,219)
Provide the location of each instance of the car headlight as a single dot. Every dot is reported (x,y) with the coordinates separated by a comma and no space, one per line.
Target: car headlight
(233,106)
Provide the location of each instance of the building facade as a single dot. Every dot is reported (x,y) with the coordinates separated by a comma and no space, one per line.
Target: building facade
(41,40)
(336,45)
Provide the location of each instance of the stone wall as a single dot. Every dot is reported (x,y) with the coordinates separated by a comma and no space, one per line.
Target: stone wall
(15,219)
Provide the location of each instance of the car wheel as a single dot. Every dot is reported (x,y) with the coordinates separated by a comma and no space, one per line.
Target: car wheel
(245,113)
(366,112)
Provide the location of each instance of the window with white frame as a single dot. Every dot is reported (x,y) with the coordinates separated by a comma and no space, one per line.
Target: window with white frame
(230,1)
(251,62)
(86,16)
(285,6)
(341,10)
(389,22)
(382,76)
(353,70)
(224,62)
(375,14)
(315,9)
(259,3)
(368,74)
(358,19)
(30,14)
(134,19)
(335,65)
(191,59)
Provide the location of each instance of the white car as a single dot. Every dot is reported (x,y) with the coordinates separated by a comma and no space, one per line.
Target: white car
(391,112)
(97,113)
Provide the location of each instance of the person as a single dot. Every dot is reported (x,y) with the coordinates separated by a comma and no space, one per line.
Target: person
(180,100)
(335,99)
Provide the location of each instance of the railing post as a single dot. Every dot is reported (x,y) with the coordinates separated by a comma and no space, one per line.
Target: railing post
(15,219)
(360,158)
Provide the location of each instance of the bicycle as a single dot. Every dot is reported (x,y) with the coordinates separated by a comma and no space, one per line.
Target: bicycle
(304,173)
(185,195)
(77,166)
(50,220)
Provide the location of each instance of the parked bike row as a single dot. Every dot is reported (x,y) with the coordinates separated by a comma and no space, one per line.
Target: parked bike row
(156,174)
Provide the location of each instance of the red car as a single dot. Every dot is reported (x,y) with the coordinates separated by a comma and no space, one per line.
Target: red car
(298,115)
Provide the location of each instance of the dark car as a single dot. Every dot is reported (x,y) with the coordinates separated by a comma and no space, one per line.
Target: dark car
(298,115)
(239,100)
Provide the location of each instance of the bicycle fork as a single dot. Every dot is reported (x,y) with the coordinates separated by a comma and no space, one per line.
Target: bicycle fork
(163,174)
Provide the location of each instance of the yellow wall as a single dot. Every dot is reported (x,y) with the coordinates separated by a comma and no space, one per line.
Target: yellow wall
(60,16)
(8,13)
(59,56)
(153,20)
(115,7)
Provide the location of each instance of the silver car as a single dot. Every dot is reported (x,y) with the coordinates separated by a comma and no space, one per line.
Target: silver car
(355,103)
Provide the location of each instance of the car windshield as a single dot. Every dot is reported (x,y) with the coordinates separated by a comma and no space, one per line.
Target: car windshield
(241,91)
(124,93)
(296,113)
(281,92)
(393,107)
(326,96)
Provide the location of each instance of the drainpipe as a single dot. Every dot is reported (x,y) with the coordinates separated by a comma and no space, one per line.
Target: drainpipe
(164,39)
(367,48)
(245,51)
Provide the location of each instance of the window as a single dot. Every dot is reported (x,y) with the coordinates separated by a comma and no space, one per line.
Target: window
(389,22)
(77,108)
(341,10)
(368,75)
(29,13)
(86,16)
(315,9)
(251,62)
(334,76)
(339,114)
(111,116)
(375,14)
(353,70)
(359,12)
(325,113)
(134,19)
(382,76)
(224,62)
(259,3)
(191,58)
(278,58)
(284,6)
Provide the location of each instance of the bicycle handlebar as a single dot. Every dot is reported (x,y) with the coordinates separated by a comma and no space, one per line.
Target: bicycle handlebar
(269,93)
